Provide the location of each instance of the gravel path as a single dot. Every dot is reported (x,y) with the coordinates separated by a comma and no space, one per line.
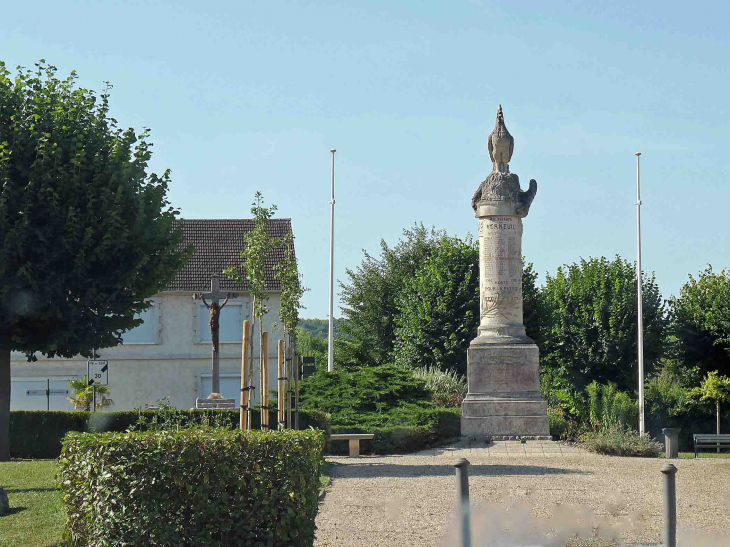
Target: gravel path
(540,493)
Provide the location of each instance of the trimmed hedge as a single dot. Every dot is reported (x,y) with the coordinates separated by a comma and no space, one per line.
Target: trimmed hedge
(198,486)
(37,434)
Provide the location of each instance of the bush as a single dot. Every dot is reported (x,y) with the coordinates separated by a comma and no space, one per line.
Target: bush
(616,440)
(448,387)
(610,407)
(387,401)
(198,486)
(37,434)
(558,424)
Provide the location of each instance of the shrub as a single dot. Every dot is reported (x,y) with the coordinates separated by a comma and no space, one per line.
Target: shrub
(558,423)
(616,440)
(387,401)
(610,407)
(448,387)
(37,434)
(198,486)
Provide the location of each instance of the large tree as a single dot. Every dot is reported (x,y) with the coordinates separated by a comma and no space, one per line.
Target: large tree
(418,304)
(701,322)
(438,307)
(369,297)
(87,234)
(590,328)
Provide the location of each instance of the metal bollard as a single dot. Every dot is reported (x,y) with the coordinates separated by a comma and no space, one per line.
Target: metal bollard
(462,499)
(670,506)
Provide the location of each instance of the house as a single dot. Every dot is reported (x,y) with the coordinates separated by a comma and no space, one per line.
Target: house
(169,355)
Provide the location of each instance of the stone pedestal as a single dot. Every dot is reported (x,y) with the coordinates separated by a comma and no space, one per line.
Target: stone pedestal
(504,393)
(503,370)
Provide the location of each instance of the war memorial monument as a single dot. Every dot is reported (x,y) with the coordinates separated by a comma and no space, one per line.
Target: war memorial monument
(503,371)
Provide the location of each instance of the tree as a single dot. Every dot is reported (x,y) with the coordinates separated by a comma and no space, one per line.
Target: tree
(83,396)
(370,297)
(427,289)
(252,271)
(438,307)
(309,345)
(714,388)
(87,235)
(590,327)
(701,322)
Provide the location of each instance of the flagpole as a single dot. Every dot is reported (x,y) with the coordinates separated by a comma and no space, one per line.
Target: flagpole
(640,302)
(330,335)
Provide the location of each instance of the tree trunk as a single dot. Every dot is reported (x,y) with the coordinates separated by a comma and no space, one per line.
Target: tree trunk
(4,405)
(718,423)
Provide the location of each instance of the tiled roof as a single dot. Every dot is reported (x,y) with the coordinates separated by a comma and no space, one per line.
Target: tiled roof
(218,245)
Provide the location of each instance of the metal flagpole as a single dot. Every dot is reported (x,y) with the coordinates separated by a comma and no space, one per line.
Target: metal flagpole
(640,339)
(330,336)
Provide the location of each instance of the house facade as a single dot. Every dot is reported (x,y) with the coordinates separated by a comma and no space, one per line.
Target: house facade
(169,355)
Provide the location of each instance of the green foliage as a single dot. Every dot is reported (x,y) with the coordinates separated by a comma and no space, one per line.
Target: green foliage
(386,400)
(292,290)
(609,407)
(369,297)
(448,387)
(437,308)
(37,434)
(559,425)
(191,487)
(714,388)
(701,322)
(418,303)
(590,326)
(309,345)
(320,327)
(258,246)
(377,390)
(87,235)
(83,395)
(616,440)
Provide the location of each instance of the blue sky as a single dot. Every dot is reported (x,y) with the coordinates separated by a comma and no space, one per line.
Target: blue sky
(246,96)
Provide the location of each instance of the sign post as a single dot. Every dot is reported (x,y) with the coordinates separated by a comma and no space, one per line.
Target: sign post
(97,374)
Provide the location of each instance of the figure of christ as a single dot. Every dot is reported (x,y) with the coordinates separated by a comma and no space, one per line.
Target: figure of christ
(215,316)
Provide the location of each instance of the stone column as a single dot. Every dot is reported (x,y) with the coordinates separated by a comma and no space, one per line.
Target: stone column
(503,374)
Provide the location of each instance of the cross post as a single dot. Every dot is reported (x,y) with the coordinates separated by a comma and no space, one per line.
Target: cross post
(214,309)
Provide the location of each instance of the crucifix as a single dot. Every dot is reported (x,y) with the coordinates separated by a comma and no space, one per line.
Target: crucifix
(215,314)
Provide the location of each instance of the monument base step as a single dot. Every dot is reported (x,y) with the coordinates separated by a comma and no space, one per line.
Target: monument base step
(477,406)
(505,426)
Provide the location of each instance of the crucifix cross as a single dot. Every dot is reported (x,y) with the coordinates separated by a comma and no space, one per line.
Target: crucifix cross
(215,313)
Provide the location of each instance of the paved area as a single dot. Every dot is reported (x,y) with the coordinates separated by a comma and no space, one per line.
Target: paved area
(536,493)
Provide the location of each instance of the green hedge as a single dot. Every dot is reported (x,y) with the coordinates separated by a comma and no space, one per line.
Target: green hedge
(37,434)
(198,486)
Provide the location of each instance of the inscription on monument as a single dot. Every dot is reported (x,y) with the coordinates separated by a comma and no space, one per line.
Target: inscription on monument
(501,258)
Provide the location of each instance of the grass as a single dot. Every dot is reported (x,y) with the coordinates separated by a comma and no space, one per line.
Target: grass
(36,516)
(707,454)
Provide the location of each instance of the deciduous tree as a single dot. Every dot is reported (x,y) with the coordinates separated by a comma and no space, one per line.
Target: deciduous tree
(590,327)
(87,234)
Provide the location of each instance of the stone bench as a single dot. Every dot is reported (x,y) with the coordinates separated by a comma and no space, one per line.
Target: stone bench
(354,439)
(215,403)
(707,440)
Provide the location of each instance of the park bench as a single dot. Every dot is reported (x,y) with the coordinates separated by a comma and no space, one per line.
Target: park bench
(354,439)
(707,440)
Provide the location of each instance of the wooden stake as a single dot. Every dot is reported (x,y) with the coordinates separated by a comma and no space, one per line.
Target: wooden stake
(243,425)
(265,380)
(280,386)
(288,384)
(295,362)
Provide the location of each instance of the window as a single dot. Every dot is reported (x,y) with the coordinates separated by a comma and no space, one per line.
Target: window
(230,323)
(149,331)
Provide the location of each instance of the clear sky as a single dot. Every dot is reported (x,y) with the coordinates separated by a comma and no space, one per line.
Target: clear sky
(245,96)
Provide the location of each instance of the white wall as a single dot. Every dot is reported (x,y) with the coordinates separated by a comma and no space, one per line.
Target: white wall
(176,364)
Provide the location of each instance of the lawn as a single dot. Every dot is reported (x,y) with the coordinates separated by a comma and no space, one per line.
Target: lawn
(36,514)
